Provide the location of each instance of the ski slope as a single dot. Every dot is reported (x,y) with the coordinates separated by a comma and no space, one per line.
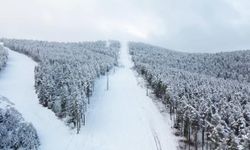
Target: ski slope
(17,84)
(124,118)
(121,118)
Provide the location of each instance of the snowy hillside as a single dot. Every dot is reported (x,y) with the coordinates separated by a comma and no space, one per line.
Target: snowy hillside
(122,117)
(207,95)
(15,132)
(65,75)
(227,65)
(92,87)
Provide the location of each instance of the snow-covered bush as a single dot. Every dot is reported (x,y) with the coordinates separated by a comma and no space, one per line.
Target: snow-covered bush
(208,95)
(65,76)
(15,133)
(3,56)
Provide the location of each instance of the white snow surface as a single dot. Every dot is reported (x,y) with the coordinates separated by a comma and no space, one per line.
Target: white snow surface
(17,84)
(121,118)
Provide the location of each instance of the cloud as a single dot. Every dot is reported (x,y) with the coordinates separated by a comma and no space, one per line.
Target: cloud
(187,25)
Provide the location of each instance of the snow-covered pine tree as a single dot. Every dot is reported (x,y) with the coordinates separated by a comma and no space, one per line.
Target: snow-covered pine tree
(15,132)
(3,56)
(60,64)
(208,93)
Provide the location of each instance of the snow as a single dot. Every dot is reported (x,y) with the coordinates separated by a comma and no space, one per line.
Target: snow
(4,102)
(121,118)
(124,117)
(17,84)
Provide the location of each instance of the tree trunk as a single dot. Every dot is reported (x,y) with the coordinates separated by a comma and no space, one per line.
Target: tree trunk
(203,137)
(78,123)
(189,137)
(196,138)
(84,119)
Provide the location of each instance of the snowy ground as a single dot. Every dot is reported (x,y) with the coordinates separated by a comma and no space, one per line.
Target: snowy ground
(17,84)
(122,118)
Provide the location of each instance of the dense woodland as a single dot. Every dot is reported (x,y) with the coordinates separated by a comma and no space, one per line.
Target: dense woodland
(3,56)
(15,133)
(65,75)
(207,95)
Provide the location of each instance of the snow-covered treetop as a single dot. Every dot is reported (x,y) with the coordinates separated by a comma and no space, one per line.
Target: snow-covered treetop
(3,56)
(15,132)
(213,87)
(66,72)
(228,65)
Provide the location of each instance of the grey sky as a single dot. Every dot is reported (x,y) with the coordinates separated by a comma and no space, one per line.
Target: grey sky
(187,25)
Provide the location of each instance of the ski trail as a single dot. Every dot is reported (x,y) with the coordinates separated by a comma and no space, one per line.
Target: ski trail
(17,84)
(124,118)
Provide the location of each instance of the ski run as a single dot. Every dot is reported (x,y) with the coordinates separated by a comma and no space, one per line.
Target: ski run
(121,117)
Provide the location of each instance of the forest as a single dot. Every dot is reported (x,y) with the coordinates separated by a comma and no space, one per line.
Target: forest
(207,95)
(66,72)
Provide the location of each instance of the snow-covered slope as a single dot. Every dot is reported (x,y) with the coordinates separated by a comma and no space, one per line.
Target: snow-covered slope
(17,84)
(122,118)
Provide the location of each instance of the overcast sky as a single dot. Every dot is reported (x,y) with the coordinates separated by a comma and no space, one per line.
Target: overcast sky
(186,25)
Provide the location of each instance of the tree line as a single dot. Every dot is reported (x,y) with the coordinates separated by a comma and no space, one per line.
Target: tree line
(3,56)
(66,72)
(207,95)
